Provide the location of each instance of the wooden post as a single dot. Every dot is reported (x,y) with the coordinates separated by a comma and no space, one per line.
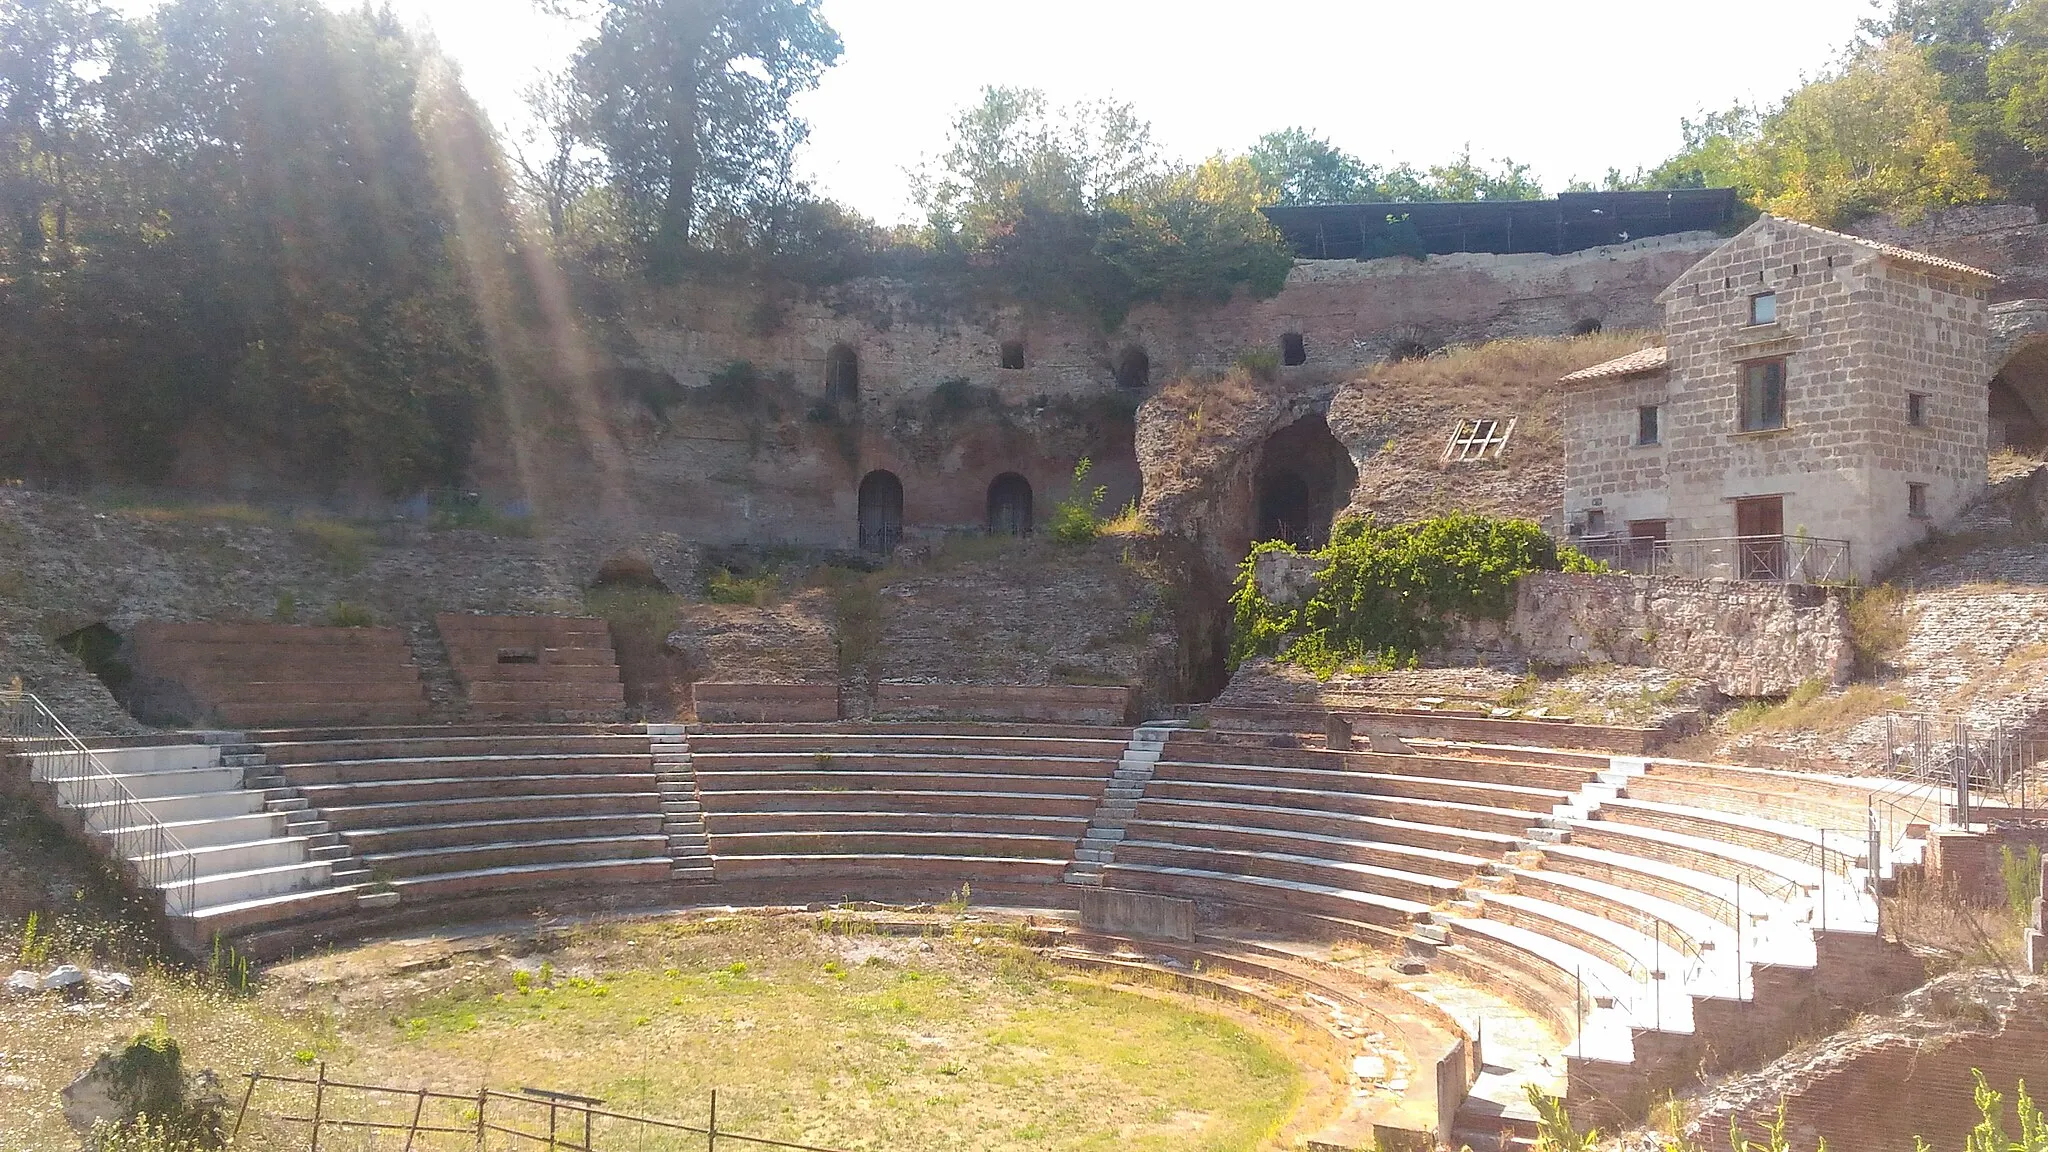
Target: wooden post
(254,1074)
(417,1108)
(319,1099)
(586,1127)
(483,1096)
(711,1134)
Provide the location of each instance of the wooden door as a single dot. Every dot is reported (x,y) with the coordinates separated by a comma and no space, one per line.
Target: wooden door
(1760,522)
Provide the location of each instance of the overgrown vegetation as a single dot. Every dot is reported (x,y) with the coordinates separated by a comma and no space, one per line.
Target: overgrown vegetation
(1077,519)
(1878,626)
(1387,594)
(1813,707)
(2020,873)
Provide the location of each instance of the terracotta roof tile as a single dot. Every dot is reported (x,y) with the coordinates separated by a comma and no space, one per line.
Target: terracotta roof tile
(1633,364)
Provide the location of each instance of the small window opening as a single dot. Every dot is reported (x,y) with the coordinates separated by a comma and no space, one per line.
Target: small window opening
(842,373)
(1763,308)
(518,656)
(1013,354)
(1133,368)
(1763,395)
(1596,523)
(1916,409)
(1293,350)
(1916,501)
(1476,439)
(1647,431)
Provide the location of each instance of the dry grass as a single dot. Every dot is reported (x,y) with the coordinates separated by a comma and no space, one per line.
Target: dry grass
(1928,914)
(841,1039)
(1813,707)
(1409,408)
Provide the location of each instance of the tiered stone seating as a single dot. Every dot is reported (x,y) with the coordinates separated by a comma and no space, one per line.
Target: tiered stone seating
(1612,919)
(1048,703)
(724,702)
(249,858)
(1473,727)
(919,808)
(255,674)
(534,667)
(438,814)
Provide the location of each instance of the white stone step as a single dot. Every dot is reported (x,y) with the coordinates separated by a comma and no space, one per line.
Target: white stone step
(143,785)
(229,830)
(155,758)
(221,859)
(254,884)
(170,809)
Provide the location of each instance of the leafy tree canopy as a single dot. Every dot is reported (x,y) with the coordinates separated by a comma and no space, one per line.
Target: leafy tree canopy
(1302,168)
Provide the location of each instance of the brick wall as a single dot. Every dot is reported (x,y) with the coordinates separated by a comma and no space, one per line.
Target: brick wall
(1974,861)
(1883,1095)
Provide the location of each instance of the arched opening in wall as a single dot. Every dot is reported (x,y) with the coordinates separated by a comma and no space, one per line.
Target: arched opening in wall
(2019,398)
(881,512)
(1293,349)
(1133,367)
(98,647)
(842,374)
(1012,354)
(1304,478)
(1586,327)
(1009,506)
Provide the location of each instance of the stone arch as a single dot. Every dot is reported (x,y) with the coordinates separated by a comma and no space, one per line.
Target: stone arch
(1293,349)
(1011,354)
(842,373)
(1009,505)
(1303,479)
(881,512)
(1133,367)
(2019,390)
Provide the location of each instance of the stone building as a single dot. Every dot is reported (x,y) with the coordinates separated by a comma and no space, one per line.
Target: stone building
(1821,402)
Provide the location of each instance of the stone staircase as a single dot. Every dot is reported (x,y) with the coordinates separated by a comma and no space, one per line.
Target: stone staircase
(300,817)
(1604,786)
(689,845)
(1119,802)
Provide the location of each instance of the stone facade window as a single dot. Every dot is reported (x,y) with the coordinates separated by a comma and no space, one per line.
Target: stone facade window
(1293,349)
(1916,501)
(842,374)
(1133,367)
(1763,395)
(1647,430)
(1012,353)
(1763,308)
(1916,409)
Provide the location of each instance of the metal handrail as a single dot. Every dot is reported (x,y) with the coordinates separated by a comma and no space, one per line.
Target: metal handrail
(1771,559)
(107,809)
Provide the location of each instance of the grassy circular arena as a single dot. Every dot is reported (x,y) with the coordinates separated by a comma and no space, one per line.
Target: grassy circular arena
(832,1035)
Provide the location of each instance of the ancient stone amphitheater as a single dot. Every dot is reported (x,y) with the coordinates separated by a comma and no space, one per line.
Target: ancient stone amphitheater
(1457,905)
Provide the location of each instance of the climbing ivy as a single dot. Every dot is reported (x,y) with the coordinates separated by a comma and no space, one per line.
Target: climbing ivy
(1386,594)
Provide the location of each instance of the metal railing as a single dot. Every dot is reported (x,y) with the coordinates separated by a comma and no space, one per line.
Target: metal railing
(1975,760)
(106,808)
(319,1108)
(1771,559)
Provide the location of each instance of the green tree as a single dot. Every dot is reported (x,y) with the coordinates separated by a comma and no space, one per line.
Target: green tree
(53,55)
(691,102)
(1303,168)
(1874,136)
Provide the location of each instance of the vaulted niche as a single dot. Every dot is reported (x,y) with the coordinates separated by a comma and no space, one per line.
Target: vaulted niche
(1009,506)
(881,513)
(1304,478)
(2019,398)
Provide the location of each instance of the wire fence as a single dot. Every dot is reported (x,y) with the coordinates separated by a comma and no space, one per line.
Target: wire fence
(316,1113)
(104,805)
(1978,762)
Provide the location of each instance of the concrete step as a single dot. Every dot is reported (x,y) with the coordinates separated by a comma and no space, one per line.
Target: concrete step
(468,858)
(251,884)
(222,859)
(240,829)
(145,785)
(329,852)
(175,809)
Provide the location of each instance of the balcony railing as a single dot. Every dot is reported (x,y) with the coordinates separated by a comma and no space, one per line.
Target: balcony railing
(1773,559)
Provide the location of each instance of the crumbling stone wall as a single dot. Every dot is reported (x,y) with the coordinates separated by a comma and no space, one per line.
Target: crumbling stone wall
(1747,639)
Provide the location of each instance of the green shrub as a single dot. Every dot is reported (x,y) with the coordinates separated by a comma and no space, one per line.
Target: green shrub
(347,615)
(1877,625)
(346,546)
(2021,872)
(1075,519)
(1260,364)
(164,1115)
(1385,595)
(727,587)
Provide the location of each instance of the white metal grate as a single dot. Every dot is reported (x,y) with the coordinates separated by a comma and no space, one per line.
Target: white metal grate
(1478,438)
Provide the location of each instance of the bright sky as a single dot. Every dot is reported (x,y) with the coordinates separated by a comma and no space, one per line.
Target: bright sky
(1568,86)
